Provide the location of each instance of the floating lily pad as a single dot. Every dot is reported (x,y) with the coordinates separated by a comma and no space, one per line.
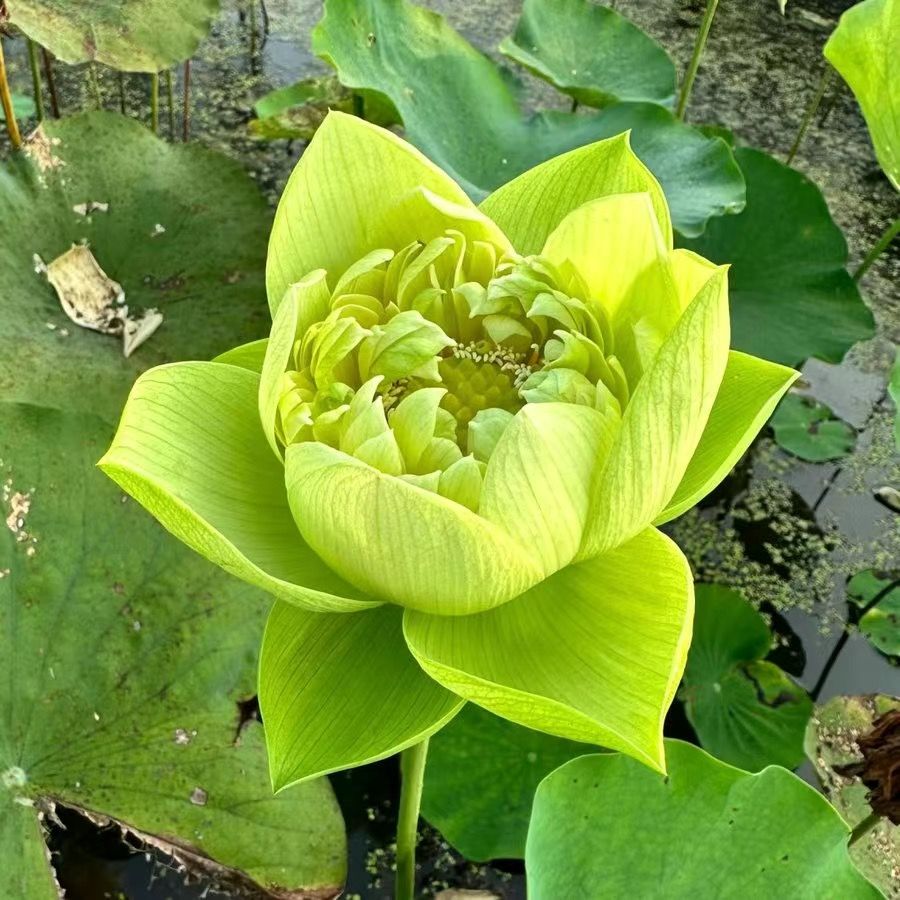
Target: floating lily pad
(881,624)
(124,657)
(460,110)
(810,430)
(480,781)
(830,743)
(745,710)
(604,826)
(591,53)
(181,229)
(791,295)
(130,35)
(863,48)
(23,107)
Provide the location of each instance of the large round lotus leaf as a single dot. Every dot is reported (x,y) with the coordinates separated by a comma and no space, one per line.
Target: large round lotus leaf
(123,658)
(131,35)
(480,780)
(459,109)
(591,52)
(809,430)
(791,295)
(604,826)
(745,710)
(180,228)
(831,744)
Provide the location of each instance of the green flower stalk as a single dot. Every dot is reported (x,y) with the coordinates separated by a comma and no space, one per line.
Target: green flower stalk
(449,460)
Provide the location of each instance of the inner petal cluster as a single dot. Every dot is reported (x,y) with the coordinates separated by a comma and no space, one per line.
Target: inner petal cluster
(424,356)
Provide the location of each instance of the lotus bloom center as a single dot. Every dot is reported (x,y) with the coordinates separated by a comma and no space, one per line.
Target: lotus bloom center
(424,356)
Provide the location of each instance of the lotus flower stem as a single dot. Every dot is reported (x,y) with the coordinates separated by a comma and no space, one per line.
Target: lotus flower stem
(811,110)
(154,102)
(170,103)
(186,118)
(863,828)
(121,80)
(880,246)
(412,774)
(12,126)
(686,85)
(36,79)
(51,81)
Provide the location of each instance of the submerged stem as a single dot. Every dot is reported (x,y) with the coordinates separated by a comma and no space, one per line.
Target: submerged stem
(863,828)
(186,118)
(12,126)
(94,85)
(880,246)
(170,103)
(845,636)
(51,81)
(688,82)
(36,80)
(412,774)
(811,110)
(154,101)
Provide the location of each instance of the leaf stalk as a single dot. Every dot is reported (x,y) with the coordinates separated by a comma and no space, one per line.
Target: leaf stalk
(880,246)
(699,44)
(154,102)
(36,79)
(811,111)
(12,126)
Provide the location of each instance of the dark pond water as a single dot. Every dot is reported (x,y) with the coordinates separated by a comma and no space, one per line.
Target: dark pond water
(808,606)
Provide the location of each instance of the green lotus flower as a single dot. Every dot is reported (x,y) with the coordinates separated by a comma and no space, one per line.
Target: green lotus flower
(449,459)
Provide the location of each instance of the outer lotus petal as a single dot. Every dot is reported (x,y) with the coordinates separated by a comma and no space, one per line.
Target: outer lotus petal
(529,207)
(594,653)
(246,356)
(332,211)
(340,691)
(690,272)
(399,542)
(621,228)
(663,422)
(304,303)
(538,481)
(748,395)
(190,449)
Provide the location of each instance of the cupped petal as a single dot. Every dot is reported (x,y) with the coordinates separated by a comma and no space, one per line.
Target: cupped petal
(538,481)
(246,356)
(305,302)
(399,542)
(616,245)
(663,422)
(612,242)
(190,449)
(529,207)
(341,691)
(594,653)
(748,395)
(351,194)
